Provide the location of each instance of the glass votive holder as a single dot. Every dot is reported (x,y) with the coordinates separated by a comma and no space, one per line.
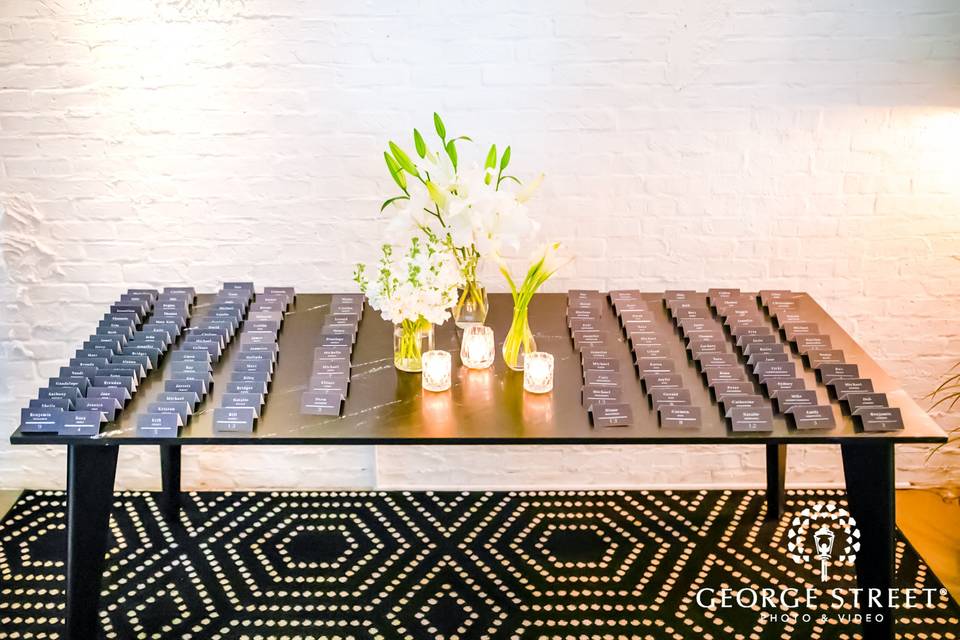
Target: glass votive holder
(436,371)
(477,348)
(538,372)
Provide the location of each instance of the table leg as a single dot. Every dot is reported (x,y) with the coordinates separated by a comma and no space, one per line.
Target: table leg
(776,479)
(868,468)
(170,472)
(91,470)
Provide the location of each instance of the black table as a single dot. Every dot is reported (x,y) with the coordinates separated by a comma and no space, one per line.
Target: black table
(483,407)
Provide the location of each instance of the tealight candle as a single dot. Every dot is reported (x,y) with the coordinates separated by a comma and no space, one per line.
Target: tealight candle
(477,348)
(436,371)
(538,372)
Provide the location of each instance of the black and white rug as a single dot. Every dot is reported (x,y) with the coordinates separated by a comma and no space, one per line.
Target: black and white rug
(538,564)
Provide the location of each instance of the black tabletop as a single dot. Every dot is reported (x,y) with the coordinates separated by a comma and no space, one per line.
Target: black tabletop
(385,406)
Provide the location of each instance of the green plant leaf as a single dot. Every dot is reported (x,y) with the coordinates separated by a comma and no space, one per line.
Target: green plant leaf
(491,158)
(395,171)
(452,153)
(419,144)
(514,178)
(505,160)
(387,203)
(467,138)
(403,159)
(438,124)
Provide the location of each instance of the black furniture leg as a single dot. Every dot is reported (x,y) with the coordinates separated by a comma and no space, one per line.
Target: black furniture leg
(868,468)
(170,472)
(776,479)
(91,470)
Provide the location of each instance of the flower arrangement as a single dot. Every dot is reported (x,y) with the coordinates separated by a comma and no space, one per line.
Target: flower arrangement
(474,212)
(414,289)
(519,340)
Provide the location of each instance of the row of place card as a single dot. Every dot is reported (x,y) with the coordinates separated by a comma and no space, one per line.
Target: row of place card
(842,379)
(246,392)
(106,372)
(330,374)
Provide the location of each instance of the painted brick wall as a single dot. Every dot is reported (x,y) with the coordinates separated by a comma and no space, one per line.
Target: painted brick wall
(807,144)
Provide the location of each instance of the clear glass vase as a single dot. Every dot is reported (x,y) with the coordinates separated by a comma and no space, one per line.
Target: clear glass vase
(472,305)
(411,339)
(519,340)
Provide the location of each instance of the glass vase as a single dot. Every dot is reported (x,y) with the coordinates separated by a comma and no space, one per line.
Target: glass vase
(519,340)
(472,305)
(411,339)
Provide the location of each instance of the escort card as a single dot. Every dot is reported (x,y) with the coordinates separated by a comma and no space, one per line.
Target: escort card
(750,330)
(718,360)
(854,401)
(583,338)
(41,420)
(271,351)
(624,295)
(827,373)
(210,346)
(652,381)
(331,367)
(128,360)
(206,377)
(252,401)
(191,356)
(335,341)
(818,357)
(650,353)
(767,296)
(327,383)
(679,294)
(759,358)
(257,337)
(151,352)
(321,403)
(583,294)
(879,418)
(265,316)
(250,376)
(580,324)
(716,295)
(751,419)
(120,394)
(840,387)
(656,366)
(54,403)
(128,383)
(812,341)
(247,387)
(234,419)
(792,330)
(730,401)
(252,356)
(352,308)
(679,417)
(723,389)
(262,325)
(80,383)
(706,348)
(772,385)
(716,375)
(591,313)
(341,352)
(198,387)
(182,409)
(158,425)
(766,370)
(591,363)
(646,340)
(660,398)
(191,398)
(611,415)
(746,341)
(198,367)
(602,378)
(599,394)
(811,417)
(755,349)
(784,399)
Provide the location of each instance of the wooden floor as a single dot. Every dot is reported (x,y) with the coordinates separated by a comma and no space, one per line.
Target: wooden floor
(930,522)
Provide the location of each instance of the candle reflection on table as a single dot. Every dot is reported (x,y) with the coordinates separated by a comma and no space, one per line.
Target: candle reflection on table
(537,408)
(437,412)
(477,385)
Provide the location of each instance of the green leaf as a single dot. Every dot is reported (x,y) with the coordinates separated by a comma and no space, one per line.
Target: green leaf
(438,124)
(452,153)
(491,158)
(419,143)
(387,203)
(403,159)
(514,178)
(467,138)
(395,171)
(505,160)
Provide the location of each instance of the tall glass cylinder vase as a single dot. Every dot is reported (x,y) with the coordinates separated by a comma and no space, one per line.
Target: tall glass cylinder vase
(519,340)
(472,305)
(411,339)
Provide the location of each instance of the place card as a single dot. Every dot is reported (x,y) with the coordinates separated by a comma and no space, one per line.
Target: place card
(723,389)
(251,376)
(258,326)
(243,400)
(650,353)
(341,352)
(729,401)
(811,342)
(669,397)
(611,415)
(840,387)
(335,341)
(331,367)
(718,360)
(592,363)
(647,340)
(205,377)
(326,383)
(715,375)
(854,401)
(879,418)
(182,409)
(718,294)
(743,342)
(602,378)
(637,315)
(186,292)
(127,382)
(652,381)
(600,394)
(680,294)
(254,356)
(754,349)
(41,420)
(190,398)
(583,338)
(750,419)
(691,314)
(827,373)
(198,387)
(691,326)
(767,296)
(97,354)
(759,358)
(706,348)
(772,385)
(766,370)
(792,330)
(819,357)
(120,394)
(321,403)
(234,419)
(750,330)
(655,366)
(679,417)
(80,383)
(630,305)
(583,294)
(191,356)
(591,313)
(261,337)
(784,399)
(133,371)
(197,366)
(121,333)
(597,351)
(581,325)
(159,425)
(623,295)
(130,360)
(272,351)
(53,403)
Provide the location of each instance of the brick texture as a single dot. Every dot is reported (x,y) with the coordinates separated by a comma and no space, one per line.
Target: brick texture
(806,144)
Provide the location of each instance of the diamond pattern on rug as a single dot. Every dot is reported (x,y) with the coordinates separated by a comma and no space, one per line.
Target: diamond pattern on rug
(486,565)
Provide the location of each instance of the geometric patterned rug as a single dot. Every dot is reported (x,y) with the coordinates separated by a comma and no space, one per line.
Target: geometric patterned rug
(518,565)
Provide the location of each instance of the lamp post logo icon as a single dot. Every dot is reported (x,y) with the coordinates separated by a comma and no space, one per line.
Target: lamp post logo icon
(833,525)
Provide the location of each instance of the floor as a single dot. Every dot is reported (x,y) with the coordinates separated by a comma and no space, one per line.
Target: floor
(929,519)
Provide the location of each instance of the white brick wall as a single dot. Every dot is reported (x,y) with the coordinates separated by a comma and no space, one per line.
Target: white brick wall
(808,144)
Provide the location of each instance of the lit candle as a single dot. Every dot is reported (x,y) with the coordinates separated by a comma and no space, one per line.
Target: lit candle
(538,372)
(436,371)
(477,348)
